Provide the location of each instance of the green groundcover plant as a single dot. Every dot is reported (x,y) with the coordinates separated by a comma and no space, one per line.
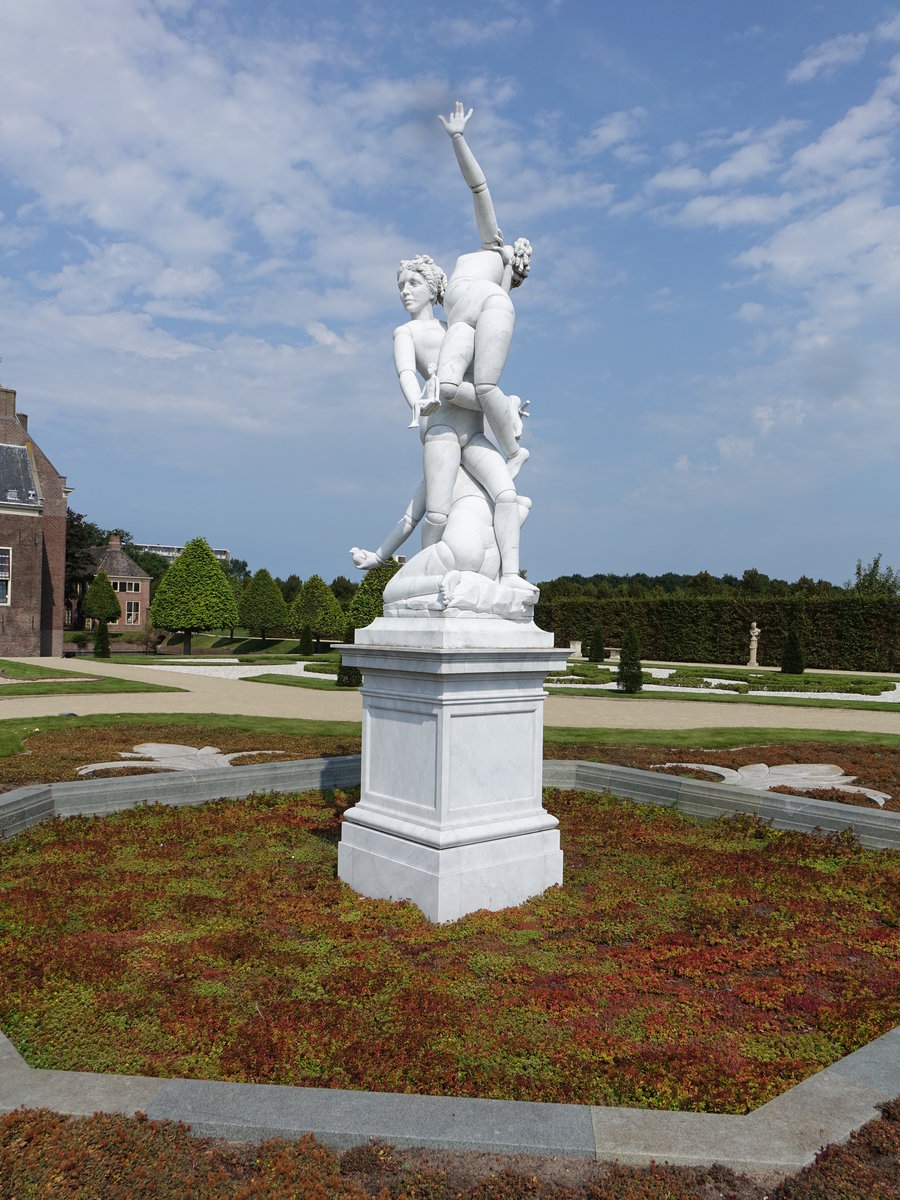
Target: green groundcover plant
(682,965)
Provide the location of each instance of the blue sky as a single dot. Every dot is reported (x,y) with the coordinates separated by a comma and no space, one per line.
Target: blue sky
(203,205)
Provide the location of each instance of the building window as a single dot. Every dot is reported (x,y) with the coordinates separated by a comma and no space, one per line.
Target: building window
(5,573)
(132,612)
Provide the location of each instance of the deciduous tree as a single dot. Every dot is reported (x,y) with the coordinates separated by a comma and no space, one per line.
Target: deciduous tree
(262,605)
(316,608)
(194,594)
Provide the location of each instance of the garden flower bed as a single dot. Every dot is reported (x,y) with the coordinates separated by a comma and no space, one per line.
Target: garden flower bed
(704,967)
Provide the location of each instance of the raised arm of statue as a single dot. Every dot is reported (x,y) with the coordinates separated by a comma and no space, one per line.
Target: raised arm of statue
(489,230)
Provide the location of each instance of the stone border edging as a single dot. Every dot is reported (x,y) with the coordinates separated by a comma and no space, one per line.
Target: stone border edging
(876,829)
(780,1137)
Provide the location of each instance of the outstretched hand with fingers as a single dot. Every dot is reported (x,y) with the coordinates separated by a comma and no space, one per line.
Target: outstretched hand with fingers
(456,123)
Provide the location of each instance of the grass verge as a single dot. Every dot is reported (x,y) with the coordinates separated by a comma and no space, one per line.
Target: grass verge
(302,681)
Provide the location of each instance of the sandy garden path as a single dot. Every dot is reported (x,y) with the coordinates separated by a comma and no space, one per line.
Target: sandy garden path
(203,693)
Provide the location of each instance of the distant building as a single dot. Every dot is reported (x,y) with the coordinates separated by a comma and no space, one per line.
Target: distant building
(129,581)
(171,552)
(32,540)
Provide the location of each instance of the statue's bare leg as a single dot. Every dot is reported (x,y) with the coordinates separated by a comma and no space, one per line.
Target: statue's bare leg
(493,335)
(442,457)
(486,466)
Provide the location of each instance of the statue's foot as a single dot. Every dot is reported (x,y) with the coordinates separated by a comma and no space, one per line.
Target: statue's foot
(517,461)
(518,584)
(447,588)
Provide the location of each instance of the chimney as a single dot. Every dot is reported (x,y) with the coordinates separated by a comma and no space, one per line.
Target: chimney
(7,404)
(115,541)
(23,420)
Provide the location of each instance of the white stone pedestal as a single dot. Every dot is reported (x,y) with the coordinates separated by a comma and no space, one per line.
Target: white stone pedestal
(450,812)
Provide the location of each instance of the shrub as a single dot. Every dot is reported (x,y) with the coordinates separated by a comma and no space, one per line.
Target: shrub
(101,641)
(305,640)
(596,649)
(793,661)
(349,677)
(630,677)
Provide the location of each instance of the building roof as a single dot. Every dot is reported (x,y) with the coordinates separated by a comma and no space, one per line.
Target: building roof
(17,483)
(116,563)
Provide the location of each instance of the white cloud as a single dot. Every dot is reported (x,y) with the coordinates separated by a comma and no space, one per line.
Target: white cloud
(460,31)
(678,179)
(734,449)
(723,212)
(750,311)
(857,138)
(759,155)
(323,336)
(186,282)
(844,50)
(889,31)
(613,131)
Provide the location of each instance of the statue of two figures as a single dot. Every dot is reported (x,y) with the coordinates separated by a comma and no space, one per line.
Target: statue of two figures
(467,504)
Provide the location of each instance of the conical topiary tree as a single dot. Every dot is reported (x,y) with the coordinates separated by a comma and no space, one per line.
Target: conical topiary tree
(316,608)
(596,649)
(366,605)
(262,605)
(630,678)
(102,604)
(194,594)
(793,660)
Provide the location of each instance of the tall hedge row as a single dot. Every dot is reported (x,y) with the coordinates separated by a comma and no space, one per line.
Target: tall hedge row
(843,633)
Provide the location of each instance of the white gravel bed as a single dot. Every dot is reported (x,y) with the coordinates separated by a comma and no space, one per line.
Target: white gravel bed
(887,696)
(243,671)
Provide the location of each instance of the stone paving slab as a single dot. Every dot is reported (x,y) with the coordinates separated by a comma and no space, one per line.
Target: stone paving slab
(348,1118)
(777,1139)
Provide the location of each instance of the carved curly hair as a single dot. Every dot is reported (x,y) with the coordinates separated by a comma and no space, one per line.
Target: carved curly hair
(521,261)
(424,265)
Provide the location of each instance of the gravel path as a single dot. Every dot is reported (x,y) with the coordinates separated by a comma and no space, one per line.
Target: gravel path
(216,694)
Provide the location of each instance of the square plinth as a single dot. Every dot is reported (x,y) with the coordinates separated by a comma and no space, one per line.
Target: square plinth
(446,884)
(450,813)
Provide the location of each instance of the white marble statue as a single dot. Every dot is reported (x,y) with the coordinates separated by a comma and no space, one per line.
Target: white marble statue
(755,631)
(467,505)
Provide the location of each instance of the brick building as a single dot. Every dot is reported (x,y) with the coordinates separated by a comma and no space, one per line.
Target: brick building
(32,540)
(130,583)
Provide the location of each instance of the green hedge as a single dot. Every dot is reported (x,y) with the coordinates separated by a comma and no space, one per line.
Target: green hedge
(846,633)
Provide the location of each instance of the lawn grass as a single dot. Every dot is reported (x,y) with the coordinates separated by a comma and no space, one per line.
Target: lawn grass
(21,670)
(301,681)
(796,700)
(14,732)
(51,681)
(698,967)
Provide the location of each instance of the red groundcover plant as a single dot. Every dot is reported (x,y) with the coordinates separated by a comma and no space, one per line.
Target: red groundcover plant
(682,965)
